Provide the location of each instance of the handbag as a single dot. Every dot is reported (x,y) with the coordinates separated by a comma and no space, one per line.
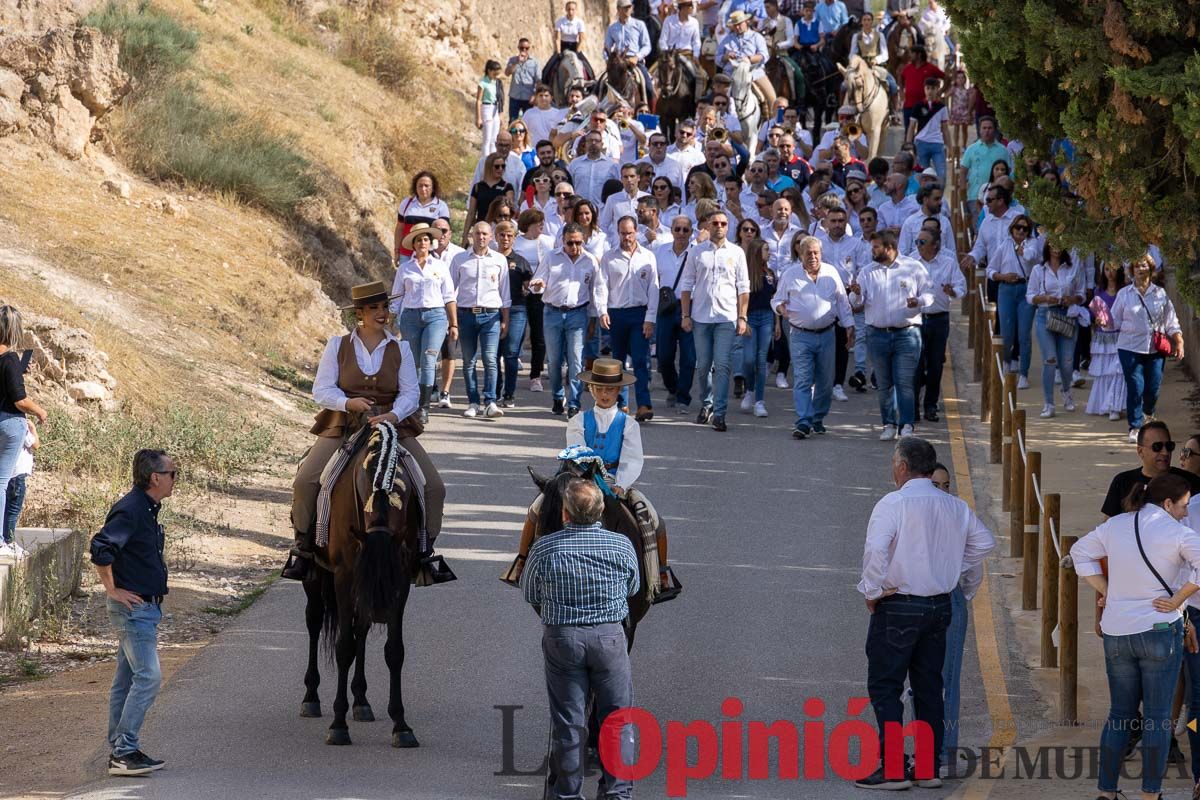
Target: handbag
(1057,320)
(667,301)
(1189,630)
(1160,343)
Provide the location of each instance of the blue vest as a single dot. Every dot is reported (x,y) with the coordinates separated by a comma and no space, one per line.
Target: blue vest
(607,444)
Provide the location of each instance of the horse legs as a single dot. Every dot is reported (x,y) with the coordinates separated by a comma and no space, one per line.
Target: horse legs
(339,732)
(314,612)
(393,653)
(361,710)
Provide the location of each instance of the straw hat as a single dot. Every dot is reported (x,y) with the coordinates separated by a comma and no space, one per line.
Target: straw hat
(417,230)
(607,372)
(738,16)
(364,294)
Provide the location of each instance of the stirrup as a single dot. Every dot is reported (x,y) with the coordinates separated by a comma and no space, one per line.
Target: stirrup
(433,569)
(668,592)
(296,568)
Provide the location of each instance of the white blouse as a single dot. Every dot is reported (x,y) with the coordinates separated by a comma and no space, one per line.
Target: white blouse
(417,287)
(1137,315)
(1066,282)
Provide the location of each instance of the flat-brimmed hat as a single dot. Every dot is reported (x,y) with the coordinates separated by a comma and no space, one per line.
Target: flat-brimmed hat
(738,16)
(607,372)
(364,294)
(847,111)
(929,172)
(417,230)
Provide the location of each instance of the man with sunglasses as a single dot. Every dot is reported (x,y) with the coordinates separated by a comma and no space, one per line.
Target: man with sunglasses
(948,284)
(1154,449)
(657,159)
(525,72)
(670,257)
(590,171)
(128,555)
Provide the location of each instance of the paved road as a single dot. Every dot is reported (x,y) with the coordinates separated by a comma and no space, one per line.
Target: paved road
(766,534)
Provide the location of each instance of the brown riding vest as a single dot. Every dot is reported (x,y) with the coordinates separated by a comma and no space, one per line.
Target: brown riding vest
(868,50)
(381,388)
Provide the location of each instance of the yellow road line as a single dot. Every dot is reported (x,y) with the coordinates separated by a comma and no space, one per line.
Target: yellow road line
(994,685)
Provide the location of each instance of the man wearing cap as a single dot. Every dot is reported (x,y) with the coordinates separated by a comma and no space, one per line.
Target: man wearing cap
(631,277)
(365,377)
(681,32)
(743,44)
(629,38)
(484,300)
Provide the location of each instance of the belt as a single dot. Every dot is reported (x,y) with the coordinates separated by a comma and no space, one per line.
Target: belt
(152,598)
(431,308)
(936,313)
(892,330)
(939,597)
(567,309)
(813,330)
(483,310)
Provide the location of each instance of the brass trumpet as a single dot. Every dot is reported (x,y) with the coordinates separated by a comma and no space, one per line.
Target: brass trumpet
(718,134)
(852,130)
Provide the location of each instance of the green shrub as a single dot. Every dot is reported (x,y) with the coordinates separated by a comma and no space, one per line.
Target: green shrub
(370,48)
(151,41)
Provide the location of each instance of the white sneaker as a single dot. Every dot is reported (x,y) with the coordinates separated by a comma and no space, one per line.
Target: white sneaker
(1047,411)
(1133,434)
(1014,366)
(839,394)
(1022,382)
(493,410)
(444,401)
(1077,379)
(535,385)
(747,402)
(19,552)
(906,430)
(889,433)
(760,409)
(780,381)
(1068,401)
(1114,416)
(472,411)
(6,551)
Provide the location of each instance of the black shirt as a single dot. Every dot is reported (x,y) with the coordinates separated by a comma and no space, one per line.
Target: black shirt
(132,542)
(1123,483)
(761,300)
(12,383)
(798,170)
(484,194)
(519,272)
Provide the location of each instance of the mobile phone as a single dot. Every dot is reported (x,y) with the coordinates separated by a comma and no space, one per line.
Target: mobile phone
(1162,626)
(778,116)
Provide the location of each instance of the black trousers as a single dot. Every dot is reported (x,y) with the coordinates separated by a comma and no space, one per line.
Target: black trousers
(935,333)
(537,336)
(841,356)
(781,354)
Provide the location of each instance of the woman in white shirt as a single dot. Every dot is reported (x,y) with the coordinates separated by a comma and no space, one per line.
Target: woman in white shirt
(424,305)
(569,29)
(1148,550)
(533,244)
(1149,332)
(665,197)
(1010,266)
(1053,287)
(423,204)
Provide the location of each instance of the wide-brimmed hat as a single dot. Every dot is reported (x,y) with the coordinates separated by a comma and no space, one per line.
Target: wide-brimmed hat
(364,294)
(417,230)
(607,372)
(739,16)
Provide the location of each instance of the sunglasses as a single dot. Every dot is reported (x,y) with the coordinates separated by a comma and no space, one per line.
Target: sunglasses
(542,179)
(716,224)
(686,134)
(855,190)
(562,194)
(498,166)
(1158,447)
(1186,452)
(174,472)
(922,242)
(516,130)
(1020,227)
(681,230)
(658,144)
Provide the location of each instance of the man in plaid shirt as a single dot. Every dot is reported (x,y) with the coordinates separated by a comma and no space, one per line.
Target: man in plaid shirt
(580,579)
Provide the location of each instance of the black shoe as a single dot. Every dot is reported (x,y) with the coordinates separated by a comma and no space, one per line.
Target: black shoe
(1174,755)
(931,414)
(296,567)
(858,382)
(705,415)
(874,383)
(572,411)
(129,765)
(154,763)
(818,427)
(559,405)
(801,431)
(718,424)
(876,780)
(739,386)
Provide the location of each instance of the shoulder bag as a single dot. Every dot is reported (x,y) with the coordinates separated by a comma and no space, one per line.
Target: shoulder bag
(1160,343)
(1057,320)
(1189,631)
(667,302)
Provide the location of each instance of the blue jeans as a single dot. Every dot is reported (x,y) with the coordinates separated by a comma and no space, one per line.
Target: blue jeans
(479,333)
(14,502)
(12,438)
(564,342)
(1057,354)
(935,333)
(627,339)
(933,155)
(754,350)
(1143,377)
(138,676)
(812,374)
(860,342)
(714,346)
(1016,322)
(1142,667)
(669,335)
(510,349)
(956,639)
(424,330)
(737,356)
(895,356)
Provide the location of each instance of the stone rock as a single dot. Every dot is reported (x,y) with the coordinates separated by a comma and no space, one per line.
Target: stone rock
(173,207)
(96,78)
(11,85)
(118,187)
(12,117)
(64,357)
(82,391)
(68,124)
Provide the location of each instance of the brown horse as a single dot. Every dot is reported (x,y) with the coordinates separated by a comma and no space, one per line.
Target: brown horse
(681,84)
(625,81)
(364,577)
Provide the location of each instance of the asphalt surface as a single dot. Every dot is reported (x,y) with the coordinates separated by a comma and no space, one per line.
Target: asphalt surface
(766,535)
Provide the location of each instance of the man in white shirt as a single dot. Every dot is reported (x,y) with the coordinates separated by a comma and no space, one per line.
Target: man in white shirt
(948,284)
(715,291)
(656,156)
(779,234)
(921,543)
(590,171)
(543,117)
(514,167)
(742,44)
(685,152)
(670,257)
(651,231)
(929,199)
(630,274)
(621,204)
(848,255)
(893,294)
(446,250)
(811,296)
(568,279)
(481,277)
(681,32)
(899,205)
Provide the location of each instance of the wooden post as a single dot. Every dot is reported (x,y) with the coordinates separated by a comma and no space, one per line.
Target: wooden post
(1010,394)
(1050,570)
(1068,636)
(980,342)
(996,403)
(1016,520)
(970,307)
(1033,469)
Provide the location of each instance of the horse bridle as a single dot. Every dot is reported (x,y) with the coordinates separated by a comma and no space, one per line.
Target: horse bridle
(866,103)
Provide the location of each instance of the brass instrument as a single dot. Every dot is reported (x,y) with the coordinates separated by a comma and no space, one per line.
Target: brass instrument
(852,131)
(718,134)
(624,124)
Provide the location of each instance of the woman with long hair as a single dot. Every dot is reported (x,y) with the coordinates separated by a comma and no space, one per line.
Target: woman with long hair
(487,106)
(1054,286)
(1149,551)
(490,187)
(1011,268)
(699,187)
(595,243)
(855,201)
(666,197)
(14,405)
(763,325)
(521,144)
(423,204)
(748,232)
(1108,381)
(1150,332)
(502,209)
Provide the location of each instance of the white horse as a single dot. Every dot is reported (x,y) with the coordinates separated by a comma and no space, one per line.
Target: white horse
(869,97)
(745,104)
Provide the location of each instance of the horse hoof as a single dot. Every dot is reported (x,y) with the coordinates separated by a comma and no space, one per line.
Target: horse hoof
(363,714)
(337,736)
(404,739)
(310,709)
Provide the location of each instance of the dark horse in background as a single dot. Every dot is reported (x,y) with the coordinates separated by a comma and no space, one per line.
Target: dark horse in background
(823,80)
(622,79)
(364,576)
(681,84)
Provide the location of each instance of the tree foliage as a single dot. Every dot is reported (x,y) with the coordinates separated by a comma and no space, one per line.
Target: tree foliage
(1120,79)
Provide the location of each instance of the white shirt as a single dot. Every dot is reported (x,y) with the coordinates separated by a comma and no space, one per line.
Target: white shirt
(629,140)
(569,283)
(597,245)
(886,288)
(589,175)
(881,57)
(539,123)
(24,465)
(569,29)
(514,172)
(924,542)
(616,206)
(667,168)
(858,149)
(715,276)
(932,132)
(430,287)
(482,280)
(912,226)
(1006,257)
(533,250)
(678,35)
(684,160)
(1130,315)
(630,468)
(812,304)
(992,231)
(413,210)
(325,388)
(1173,549)
(893,214)
(780,245)
(670,265)
(1066,282)
(631,280)
(942,270)
(848,255)
(661,234)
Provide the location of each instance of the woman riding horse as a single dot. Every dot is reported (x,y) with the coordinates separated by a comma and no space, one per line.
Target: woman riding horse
(365,377)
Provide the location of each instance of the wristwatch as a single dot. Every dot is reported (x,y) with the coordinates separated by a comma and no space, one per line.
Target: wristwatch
(743,319)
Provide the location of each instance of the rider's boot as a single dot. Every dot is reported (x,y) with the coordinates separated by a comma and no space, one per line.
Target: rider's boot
(512,575)
(299,557)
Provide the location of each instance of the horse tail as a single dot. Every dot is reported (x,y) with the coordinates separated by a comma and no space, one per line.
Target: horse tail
(329,620)
(377,575)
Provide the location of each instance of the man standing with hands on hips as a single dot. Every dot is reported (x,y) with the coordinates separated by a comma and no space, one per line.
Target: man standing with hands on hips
(128,554)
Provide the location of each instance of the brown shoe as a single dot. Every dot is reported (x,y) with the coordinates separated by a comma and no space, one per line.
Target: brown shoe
(644,414)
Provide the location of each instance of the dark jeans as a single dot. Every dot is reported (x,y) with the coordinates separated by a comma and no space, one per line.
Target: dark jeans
(14,502)
(907,638)
(1192,662)
(1143,378)
(781,354)
(627,339)
(1083,348)
(537,337)
(669,336)
(841,356)
(935,332)
(510,350)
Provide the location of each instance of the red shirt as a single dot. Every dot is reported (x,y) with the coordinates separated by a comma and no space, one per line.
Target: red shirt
(913,78)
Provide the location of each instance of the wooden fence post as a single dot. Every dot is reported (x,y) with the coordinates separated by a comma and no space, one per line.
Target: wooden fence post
(1050,576)
(1068,633)
(995,405)
(1016,527)
(1033,472)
